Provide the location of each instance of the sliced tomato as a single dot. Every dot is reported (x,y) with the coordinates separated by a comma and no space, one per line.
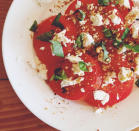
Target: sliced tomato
(117,90)
(91,80)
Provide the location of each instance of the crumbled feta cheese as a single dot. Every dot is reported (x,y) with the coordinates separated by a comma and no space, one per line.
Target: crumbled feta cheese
(73,59)
(96,19)
(114,18)
(87,40)
(137,65)
(135,30)
(122,50)
(125,74)
(62,38)
(101,96)
(106,22)
(76,70)
(117,96)
(90,7)
(42,48)
(70,82)
(125,3)
(82,90)
(131,16)
(79,4)
(41,69)
(109,79)
(82,22)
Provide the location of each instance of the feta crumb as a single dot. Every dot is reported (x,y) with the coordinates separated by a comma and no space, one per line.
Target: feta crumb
(96,19)
(82,90)
(79,4)
(114,18)
(125,3)
(60,37)
(42,48)
(90,7)
(109,79)
(131,16)
(135,30)
(73,59)
(117,96)
(125,74)
(82,22)
(87,40)
(70,82)
(122,50)
(101,96)
(76,70)
(106,22)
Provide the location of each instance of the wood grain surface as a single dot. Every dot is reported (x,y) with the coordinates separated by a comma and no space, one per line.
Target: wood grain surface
(14,116)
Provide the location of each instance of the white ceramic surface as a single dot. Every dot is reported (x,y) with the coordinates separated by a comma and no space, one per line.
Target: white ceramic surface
(36,95)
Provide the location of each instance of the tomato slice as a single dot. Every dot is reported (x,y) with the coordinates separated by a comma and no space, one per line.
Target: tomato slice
(90,80)
(112,89)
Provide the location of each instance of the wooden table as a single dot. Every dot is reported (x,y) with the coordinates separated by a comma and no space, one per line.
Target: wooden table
(13,114)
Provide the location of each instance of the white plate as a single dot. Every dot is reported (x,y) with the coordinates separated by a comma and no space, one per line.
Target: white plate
(36,95)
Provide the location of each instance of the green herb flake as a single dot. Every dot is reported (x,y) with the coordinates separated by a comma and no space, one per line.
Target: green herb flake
(133,48)
(83,66)
(34,26)
(80,15)
(104,2)
(46,36)
(57,48)
(59,74)
(137,83)
(57,23)
(79,41)
(125,33)
(107,33)
(106,53)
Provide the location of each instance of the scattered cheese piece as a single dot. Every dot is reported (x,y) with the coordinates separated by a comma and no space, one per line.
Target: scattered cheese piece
(76,69)
(42,48)
(125,74)
(122,50)
(125,3)
(109,79)
(82,90)
(79,4)
(101,96)
(114,18)
(82,22)
(70,82)
(135,30)
(106,22)
(96,19)
(73,59)
(87,40)
(62,38)
(90,7)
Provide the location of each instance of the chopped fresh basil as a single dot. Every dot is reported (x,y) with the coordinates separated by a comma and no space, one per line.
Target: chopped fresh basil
(125,33)
(107,33)
(83,66)
(106,53)
(137,83)
(46,36)
(59,74)
(57,23)
(79,41)
(80,15)
(34,26)
(133,48)
(104,2)
(57,48)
